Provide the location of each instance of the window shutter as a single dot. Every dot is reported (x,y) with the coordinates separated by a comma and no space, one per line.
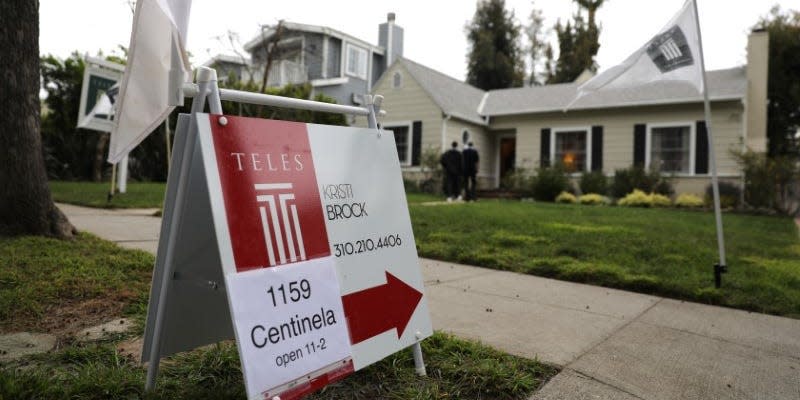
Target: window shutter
(597,148)
(639,138)
(544,150)
(701,148)
(416,142)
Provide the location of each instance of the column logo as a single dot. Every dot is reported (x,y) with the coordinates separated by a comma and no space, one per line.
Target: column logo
(276,204)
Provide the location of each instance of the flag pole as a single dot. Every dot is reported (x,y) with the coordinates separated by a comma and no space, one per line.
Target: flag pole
(720,268)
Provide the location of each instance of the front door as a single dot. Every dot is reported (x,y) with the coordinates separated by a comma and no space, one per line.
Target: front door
(508,154)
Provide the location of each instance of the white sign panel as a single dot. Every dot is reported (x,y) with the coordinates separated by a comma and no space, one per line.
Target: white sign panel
(95,110)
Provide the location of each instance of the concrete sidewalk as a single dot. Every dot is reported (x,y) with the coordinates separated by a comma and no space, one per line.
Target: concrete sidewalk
(611,344)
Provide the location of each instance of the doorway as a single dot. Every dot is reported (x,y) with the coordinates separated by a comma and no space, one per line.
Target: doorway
(507,156)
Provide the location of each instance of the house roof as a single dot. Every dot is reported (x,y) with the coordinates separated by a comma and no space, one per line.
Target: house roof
(469,103)
(294,26)
(453,96)
(225,58)
(726,84)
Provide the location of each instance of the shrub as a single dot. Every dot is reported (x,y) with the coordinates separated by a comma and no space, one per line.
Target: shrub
(729,195)
(770,182)
(688,200)
(637,198)
(659,200)
(594,182)
(518,181)
(566,197)
(549,183)
(627,180)
(593,199)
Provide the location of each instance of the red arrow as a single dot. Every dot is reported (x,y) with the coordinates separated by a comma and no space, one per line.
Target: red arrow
(381,308)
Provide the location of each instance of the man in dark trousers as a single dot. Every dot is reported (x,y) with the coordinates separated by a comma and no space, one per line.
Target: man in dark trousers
(451,163)
(470,156)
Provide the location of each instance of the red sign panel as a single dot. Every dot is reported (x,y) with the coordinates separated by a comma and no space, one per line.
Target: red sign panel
(270,192)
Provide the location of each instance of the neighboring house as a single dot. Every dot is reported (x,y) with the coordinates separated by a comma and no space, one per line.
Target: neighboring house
(658,125)
(334,63)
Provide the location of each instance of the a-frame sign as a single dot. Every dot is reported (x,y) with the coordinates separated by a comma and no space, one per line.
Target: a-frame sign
(292,238)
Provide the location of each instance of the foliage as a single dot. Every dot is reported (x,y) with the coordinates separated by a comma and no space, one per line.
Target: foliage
(593,199)
(637,198)
(495,59)
(729,195)
(578,43)
(520,181)
(537,47)
(659,200)
(566,198)
(783,90)
(431,171)
(626,180)
(294,91)
(594,182)
(688,200)
(549,182)
(770,182)
(661,251)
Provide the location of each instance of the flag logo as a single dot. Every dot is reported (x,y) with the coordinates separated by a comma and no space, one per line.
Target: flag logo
(285,226)
(670,50)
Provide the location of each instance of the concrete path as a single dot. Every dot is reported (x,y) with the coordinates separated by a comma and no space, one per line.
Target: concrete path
(611,344)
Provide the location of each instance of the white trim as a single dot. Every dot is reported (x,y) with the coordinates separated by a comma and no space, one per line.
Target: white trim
(410,137)
(105,63)
(369,71)
(692,145)
(482,103)
(330,81)
(324,30)
(498,139)
(555,131)
(560,109)
(361,51)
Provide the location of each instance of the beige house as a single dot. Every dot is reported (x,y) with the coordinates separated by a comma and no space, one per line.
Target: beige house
(658,125)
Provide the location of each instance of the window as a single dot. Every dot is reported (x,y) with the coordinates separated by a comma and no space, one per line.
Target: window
(571,148)
(397,80)
(671,148)
(465,136)
(402,139)
(356,62)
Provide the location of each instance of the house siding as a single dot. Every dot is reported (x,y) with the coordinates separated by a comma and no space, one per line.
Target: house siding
(313,55)
(618,125)
(334,57)
(484,142)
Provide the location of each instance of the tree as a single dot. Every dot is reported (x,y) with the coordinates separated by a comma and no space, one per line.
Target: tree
(578,42)
(537,47)
(783,89)
(495,57)
(26,207)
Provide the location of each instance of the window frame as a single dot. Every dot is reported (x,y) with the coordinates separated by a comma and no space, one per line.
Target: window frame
(361,52)
(692,145)
(554,135)
(397,80)
(410,142)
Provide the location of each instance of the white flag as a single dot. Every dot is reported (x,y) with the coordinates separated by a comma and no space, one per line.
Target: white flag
(671,55)
(142,106)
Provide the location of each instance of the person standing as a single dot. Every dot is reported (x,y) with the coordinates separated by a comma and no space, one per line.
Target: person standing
(470,156)
(451,163)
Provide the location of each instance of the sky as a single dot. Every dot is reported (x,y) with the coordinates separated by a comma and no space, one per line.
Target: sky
(434,29)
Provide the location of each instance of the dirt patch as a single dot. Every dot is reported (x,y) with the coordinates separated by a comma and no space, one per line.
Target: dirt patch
(131,350)
(69,317)
(16,345)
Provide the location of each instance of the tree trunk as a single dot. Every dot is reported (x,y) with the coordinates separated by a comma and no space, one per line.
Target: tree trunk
(26,207)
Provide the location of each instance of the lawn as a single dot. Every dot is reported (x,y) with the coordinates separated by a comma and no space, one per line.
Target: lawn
(95,194)
(60,287)
(665,252)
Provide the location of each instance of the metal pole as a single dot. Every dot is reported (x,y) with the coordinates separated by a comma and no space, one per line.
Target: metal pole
(167,134)
(373,104)
(113,182)
(204,84)
(720,268)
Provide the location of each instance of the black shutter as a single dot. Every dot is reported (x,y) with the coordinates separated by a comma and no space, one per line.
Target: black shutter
(597,148)
(544,150)
(701,148)
(639,138)
(416,142)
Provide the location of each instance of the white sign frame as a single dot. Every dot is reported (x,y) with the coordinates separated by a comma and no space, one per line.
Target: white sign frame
(103,69)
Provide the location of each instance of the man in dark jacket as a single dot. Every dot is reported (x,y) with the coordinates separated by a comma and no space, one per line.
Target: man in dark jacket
(470,156)
(451,163)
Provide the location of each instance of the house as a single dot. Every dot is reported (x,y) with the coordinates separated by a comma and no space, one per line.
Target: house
(332,62)
(658,125)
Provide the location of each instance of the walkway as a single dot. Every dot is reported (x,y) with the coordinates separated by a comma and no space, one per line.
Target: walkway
(611,344)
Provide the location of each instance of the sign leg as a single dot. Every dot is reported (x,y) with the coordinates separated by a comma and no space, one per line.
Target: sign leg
(419,363)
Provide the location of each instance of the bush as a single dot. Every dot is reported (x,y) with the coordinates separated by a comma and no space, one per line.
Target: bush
(770,182)
(687,200)
(518,181)
(729,195)
(594,182)
(627,180)
(549,183)
(566,197)
(637,198)
(659,200)
(593,199)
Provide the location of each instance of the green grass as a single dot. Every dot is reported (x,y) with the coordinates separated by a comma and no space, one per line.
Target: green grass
(95,194)
(416,198)
(457,369)
(45,285)
(656,251)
